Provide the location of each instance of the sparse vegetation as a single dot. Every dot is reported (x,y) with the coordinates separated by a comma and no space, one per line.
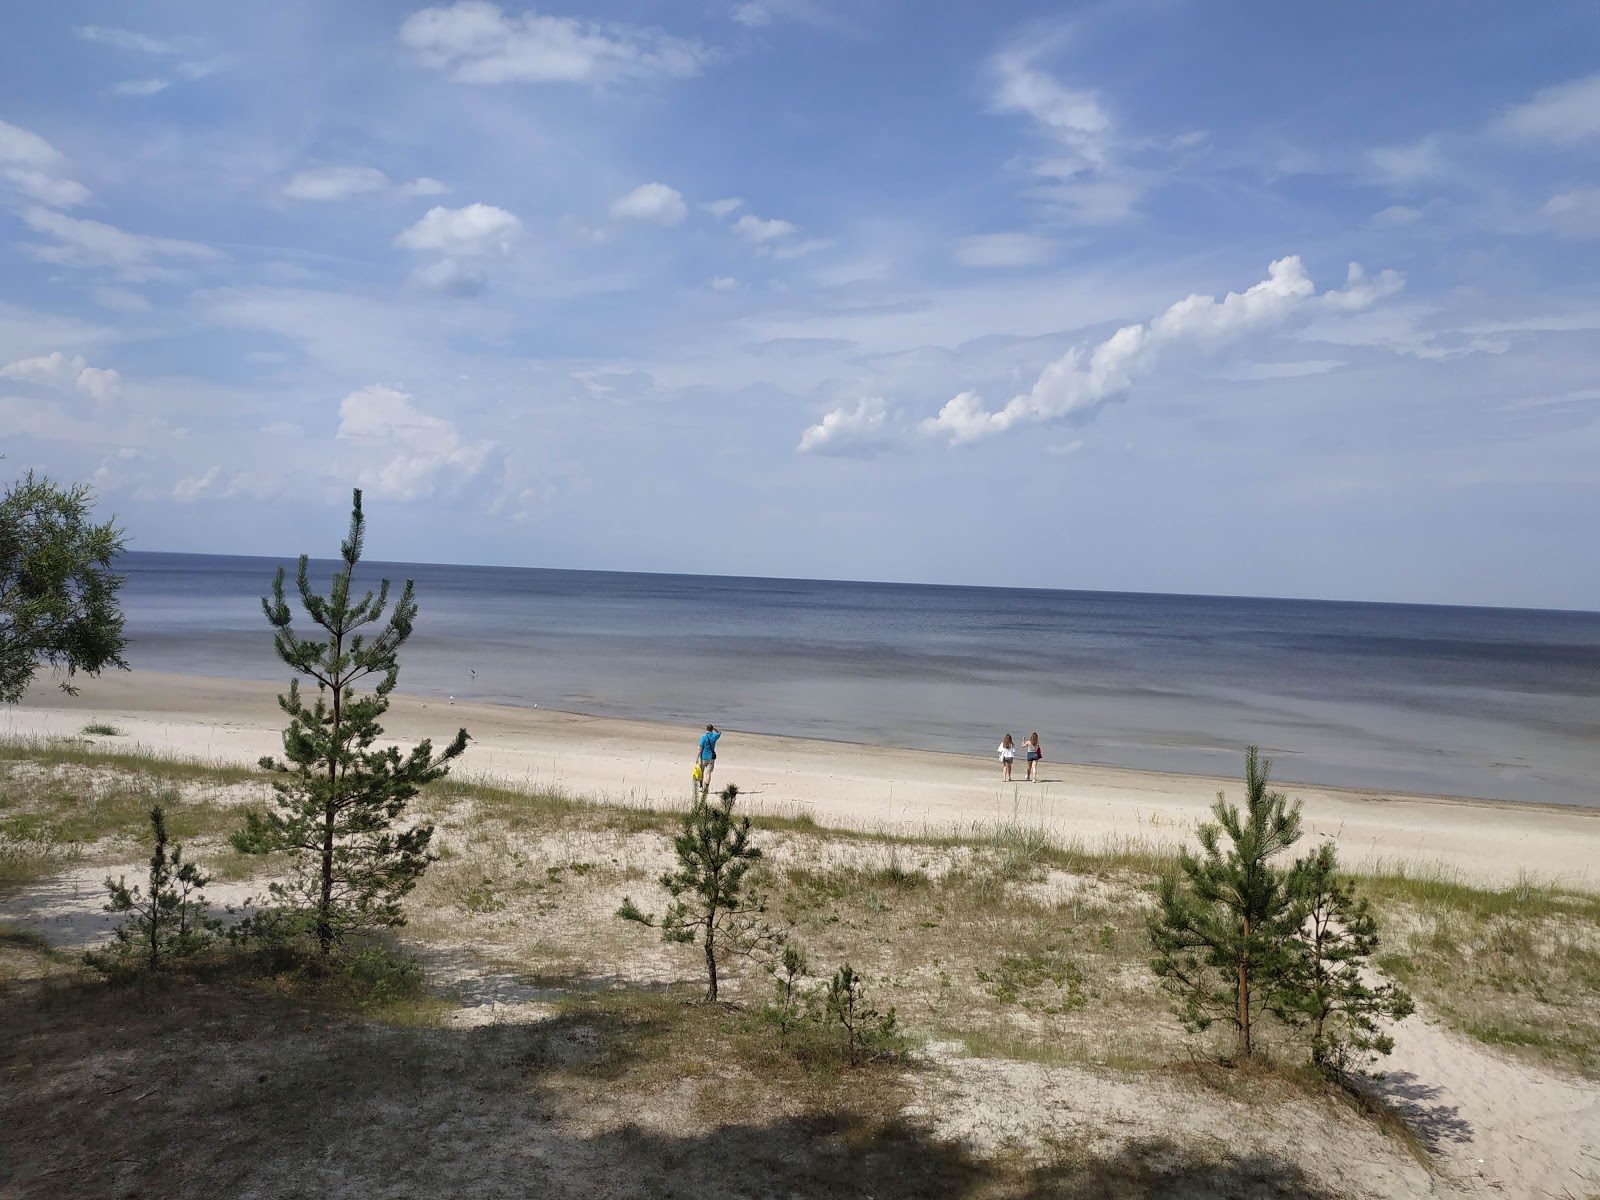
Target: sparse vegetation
(711,900)
(101,729)
(169,920)
(1025,953)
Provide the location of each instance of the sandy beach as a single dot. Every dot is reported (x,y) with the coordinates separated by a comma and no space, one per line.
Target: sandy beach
(840,784)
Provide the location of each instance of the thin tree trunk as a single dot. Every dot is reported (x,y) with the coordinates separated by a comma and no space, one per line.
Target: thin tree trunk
(711,968)
(1244,996)
(325,908)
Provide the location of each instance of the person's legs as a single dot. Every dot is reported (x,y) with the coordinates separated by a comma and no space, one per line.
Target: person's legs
(706,767)
(1005,770)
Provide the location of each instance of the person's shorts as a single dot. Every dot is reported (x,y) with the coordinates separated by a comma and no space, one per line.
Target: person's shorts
(707,763)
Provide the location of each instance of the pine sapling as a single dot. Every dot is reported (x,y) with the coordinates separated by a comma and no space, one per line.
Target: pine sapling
(341,799)
(171,919)
(1331,995)
(710,900)
(868,1032)
(1223,934)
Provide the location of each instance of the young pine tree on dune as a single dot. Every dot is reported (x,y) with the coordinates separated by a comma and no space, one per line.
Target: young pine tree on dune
(341,799)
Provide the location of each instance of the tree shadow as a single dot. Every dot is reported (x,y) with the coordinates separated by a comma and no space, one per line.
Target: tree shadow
(1436,1125)
(232,1086)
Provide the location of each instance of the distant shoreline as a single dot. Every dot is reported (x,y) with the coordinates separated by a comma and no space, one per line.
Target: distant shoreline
(843,784)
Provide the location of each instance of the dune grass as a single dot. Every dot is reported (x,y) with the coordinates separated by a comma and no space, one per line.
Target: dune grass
(1517,967)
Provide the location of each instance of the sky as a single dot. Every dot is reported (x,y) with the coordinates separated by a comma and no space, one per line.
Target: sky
(1161,295)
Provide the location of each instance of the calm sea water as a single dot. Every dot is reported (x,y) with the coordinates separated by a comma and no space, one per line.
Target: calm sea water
(1497,703)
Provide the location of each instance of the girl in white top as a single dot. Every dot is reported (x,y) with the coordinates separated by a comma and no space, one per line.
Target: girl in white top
(1008,751)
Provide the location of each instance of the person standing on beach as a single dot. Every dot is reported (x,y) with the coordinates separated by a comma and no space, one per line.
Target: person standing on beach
(708,756)
(1008,752)
(1034,755)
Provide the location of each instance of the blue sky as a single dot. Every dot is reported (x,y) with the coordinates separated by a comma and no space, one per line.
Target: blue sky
(1026,294)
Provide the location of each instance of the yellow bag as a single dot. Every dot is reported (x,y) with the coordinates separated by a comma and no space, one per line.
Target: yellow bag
(697,774)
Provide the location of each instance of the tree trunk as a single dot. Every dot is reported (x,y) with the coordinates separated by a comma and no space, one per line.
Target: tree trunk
(1244,995)
(325,907)
(711,968)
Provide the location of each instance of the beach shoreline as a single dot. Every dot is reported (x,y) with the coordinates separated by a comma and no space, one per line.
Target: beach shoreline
(840,784)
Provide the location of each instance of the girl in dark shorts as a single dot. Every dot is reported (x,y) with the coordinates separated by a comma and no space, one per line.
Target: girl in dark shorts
(1034,755)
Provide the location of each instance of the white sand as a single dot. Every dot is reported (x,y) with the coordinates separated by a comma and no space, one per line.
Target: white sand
(838,783)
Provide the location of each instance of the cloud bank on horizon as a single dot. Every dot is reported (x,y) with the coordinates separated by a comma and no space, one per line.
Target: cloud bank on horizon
(548,280)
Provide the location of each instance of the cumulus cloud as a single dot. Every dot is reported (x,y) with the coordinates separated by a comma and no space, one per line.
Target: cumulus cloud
(475,231)
(651,202)
(851,432)
(1082,380)
(477,42)
(405,450)
(334,183)
(723,208)
(1565,114)
(1003,250)
(92,244)
(66,373)
(724,283)
(32,166)
(753,229)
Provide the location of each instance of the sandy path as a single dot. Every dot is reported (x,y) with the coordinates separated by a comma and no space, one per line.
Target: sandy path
(1499,1127)
(839,783)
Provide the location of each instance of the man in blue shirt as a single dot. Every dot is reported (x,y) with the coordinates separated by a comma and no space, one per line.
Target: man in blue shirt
(708,756)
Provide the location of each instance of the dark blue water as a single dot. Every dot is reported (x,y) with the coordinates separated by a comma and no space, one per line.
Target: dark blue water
(1497,703)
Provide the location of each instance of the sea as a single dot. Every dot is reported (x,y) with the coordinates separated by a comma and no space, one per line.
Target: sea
(1496,703)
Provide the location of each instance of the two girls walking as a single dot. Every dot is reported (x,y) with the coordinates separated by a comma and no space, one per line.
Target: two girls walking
(1032,754)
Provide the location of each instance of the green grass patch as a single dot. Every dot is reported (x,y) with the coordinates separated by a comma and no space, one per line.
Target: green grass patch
(101,729)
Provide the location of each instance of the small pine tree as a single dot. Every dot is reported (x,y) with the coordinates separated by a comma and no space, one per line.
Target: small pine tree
(340,801)
(1223,943)
(789,1001)
(709,897)
(1329,993)
(868,1032)
(171,919)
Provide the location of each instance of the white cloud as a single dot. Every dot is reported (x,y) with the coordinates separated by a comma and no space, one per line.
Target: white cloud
(1255,371)
(140,87)
(1395,214)
(423,186)
(476,230)
(91,244)
(785,250)
(1073,117)
(31,165)
(1564,114)
(1408,165)
(1575,213)
(752,15)
(651,202)
(724,283)
(137,43)
(186,491)
(478,43)
(851,432)
(1080,381)
(723,208)
(753,229)
(66,373)
(406,450)
(335,183)
(1003,250)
